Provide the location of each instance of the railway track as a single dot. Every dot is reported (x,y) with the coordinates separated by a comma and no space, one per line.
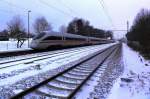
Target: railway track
(8,54)
(28,59)
(16,53)
(67,83)
(32,55)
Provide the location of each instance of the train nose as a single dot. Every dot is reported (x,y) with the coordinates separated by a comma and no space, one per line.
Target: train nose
(33,44)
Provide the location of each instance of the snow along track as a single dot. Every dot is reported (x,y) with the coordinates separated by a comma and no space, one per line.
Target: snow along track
(28,59)
(26,54)
(89,90)
(66,83)
(7,53)
(29,68)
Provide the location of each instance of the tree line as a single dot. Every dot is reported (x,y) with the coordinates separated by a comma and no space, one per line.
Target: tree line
(83,27)
(140,30)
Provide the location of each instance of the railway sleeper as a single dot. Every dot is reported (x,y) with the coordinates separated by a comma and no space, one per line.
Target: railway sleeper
(80,71)
(43,95)
(77,73)
(37,95)
(53,92)
(72,80)
(62,86)
(74,76)
(68,81)
(72,85)
(83,70)
(88,67)
(59,88)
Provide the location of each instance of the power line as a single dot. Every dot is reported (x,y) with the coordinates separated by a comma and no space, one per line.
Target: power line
(106,11)
(18,7)
(8,11)
(68,7)
(53,7)
(14,5)
(12,11)
(102,3)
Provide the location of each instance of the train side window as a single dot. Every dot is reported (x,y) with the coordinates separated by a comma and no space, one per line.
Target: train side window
(53,38)
(81,39)
(95,40)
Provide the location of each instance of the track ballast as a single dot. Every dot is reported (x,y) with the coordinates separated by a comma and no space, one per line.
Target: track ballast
(65,84)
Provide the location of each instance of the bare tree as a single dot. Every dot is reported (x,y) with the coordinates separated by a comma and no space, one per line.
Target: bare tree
(17,30)
(63,29)
(41,24)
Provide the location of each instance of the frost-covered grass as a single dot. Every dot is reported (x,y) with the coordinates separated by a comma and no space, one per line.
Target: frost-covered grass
(137,69)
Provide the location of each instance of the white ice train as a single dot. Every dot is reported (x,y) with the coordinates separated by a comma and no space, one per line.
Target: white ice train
(49,39)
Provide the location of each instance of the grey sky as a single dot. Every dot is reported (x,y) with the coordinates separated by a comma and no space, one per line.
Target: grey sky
(63,11)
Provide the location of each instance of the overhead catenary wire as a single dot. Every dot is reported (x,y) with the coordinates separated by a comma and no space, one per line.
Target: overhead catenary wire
(12,10)
(106,10)
(15,10)
(66,5)
(23,9)
(14,5)
(101,2)
(8,12)
(41,1)
(55,8)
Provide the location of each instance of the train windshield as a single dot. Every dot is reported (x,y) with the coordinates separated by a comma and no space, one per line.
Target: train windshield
(39,36)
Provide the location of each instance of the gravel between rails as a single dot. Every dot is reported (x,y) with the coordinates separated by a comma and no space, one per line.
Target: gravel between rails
(114,69)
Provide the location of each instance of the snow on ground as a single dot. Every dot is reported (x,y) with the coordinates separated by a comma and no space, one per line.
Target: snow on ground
(21,71)
(138,71)
(12,46)
(90,84)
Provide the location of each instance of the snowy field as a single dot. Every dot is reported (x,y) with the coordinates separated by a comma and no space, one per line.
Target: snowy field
(137,70)
(12,45)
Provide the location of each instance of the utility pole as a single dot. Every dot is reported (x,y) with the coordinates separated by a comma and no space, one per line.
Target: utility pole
(127,26)
(28,25)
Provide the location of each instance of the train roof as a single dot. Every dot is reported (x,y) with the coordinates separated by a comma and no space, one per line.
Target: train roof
(52,33)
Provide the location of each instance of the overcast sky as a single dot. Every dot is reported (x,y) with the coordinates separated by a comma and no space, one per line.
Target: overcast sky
(112,15)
